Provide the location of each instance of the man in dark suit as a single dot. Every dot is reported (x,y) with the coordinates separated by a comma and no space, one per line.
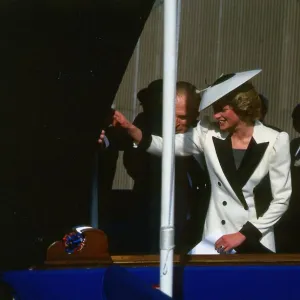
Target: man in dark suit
(191,181)
(289,227)
(295,143)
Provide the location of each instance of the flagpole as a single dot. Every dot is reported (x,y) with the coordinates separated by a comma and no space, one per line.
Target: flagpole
(167,200)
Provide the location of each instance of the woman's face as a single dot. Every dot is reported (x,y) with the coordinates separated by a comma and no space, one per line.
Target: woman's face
(226,117)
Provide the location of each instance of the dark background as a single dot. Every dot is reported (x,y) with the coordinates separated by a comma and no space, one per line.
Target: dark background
(61,65)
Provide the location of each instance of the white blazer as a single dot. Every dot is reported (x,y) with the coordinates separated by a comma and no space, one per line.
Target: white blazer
(233,205)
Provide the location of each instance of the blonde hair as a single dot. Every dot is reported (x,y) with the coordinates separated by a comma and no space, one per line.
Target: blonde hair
(245,102)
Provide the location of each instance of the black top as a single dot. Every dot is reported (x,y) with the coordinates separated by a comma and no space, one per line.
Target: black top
(238,155)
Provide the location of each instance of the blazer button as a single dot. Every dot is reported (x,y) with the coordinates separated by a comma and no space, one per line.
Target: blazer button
(224,203)
(223,222)
(219,183)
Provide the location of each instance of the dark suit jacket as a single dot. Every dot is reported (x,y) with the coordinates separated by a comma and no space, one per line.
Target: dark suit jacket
(191,190)
(288,228)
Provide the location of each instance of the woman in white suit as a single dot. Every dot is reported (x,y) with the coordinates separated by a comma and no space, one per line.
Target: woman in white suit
(248,165)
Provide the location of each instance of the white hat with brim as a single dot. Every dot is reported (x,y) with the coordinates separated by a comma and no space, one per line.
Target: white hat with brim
(224,85)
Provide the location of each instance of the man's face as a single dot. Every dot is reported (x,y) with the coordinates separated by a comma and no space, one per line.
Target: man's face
(185,115)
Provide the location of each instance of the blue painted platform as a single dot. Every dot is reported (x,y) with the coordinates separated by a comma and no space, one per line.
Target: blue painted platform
(197,282)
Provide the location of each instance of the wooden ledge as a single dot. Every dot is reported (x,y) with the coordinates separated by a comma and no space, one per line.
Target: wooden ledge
(189,260)
(95,253)
(212,260)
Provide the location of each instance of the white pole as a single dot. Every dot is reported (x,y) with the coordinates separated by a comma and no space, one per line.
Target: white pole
(167,200)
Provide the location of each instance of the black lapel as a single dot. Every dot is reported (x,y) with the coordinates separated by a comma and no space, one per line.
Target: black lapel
(226,160)
(251,159)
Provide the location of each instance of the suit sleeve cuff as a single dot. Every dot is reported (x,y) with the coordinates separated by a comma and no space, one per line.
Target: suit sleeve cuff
(251,232)
(106,142)
(145,142)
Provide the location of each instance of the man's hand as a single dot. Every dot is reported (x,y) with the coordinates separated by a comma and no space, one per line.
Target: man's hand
(120,120)
(229,241)
(101,137)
